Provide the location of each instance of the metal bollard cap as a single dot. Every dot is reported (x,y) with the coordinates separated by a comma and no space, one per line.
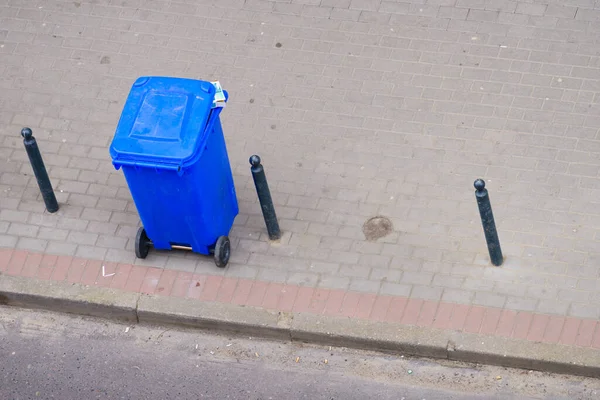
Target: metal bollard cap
(254,160)
(479,185)
(26,133)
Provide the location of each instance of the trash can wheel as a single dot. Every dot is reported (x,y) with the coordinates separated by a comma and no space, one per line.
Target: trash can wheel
(142,243)
(222,251)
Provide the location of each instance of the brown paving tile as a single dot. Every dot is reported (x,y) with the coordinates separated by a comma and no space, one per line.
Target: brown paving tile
(211,288)
(395,310)
(196,286)
(272,296)
(257,294)
(490,321)
(5,255)
(31,265)
(181,284)
(522,324)
(151,280)
(165,283)
(427,315)
(412,311)
(136,278)
(350,304)
(459,316)
(61,268)
(585,334)
(76,270)
(380,308)
(553,329)
(570,328)
(46,267)
(303,299)
(93,269)
(226,290)
(49,260)
(242,292)
(538,327)
(318,301)
(16,262)
(334,301)
(119,280)
(287,298)
(474,319)
(365,305)
(506,324)
(443,316)
(596,338)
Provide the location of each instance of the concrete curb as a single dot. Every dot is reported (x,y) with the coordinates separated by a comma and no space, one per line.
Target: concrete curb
(69,298)
(318,329)
(212,316)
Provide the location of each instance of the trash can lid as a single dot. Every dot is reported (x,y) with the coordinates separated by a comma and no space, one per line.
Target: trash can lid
(163,121)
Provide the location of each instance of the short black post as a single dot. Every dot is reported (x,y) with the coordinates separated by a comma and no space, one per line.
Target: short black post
(35,158)
(489,225)
(264,197)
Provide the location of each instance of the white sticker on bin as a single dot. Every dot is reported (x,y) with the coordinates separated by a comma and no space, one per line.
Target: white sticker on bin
(219,100)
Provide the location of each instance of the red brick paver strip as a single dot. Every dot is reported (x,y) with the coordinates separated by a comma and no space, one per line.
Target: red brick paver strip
(491,321)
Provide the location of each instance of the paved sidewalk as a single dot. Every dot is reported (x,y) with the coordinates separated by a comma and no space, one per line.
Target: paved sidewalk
(359,108)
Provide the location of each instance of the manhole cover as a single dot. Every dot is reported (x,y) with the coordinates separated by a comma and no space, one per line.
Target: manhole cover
(377,227)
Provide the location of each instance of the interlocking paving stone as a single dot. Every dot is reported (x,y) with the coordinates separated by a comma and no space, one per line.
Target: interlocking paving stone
(358,108)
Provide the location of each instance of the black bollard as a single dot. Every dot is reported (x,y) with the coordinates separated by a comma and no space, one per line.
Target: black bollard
(489,225)
(35,158)
(264,197)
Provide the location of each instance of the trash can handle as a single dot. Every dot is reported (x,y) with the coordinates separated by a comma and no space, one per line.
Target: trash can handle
(118,164)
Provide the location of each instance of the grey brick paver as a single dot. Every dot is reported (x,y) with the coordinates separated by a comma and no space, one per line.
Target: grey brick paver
(366,108)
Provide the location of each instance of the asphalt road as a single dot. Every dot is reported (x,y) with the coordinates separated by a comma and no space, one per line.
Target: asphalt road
(54,356)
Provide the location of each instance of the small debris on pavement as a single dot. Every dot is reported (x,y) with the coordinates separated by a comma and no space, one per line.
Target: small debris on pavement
(256,354)
(410,371)
(326,361)
(126,329)
(104,274)
(196,346)
(297,359)
(498,377)
(228,345)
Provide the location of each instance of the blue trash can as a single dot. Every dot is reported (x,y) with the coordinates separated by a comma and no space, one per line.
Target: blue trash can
(169,143)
